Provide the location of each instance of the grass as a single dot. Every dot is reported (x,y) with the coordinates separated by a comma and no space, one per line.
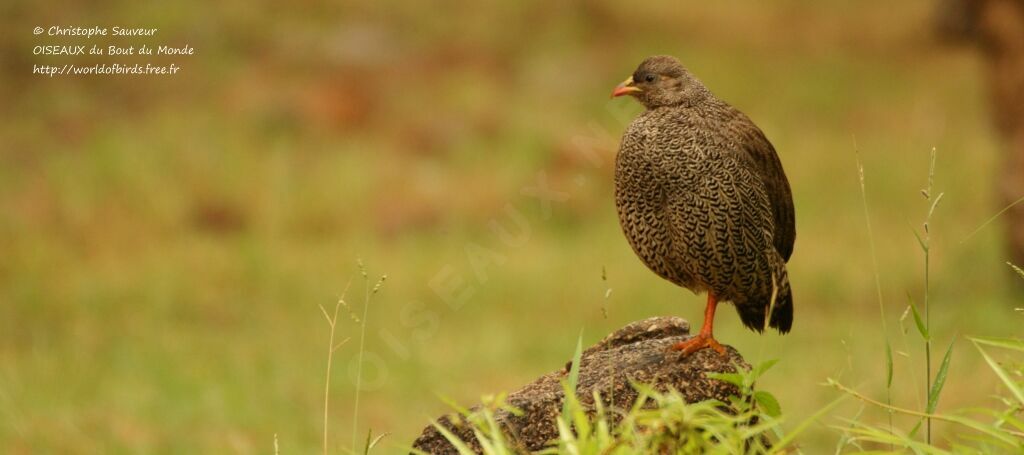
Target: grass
(750,422)
(332,347)
(994,435)
(925,241)
(165,242)
(878,287)
(658,422)
(994,430)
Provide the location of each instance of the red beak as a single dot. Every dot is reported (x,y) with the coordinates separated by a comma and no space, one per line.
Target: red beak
(625,88)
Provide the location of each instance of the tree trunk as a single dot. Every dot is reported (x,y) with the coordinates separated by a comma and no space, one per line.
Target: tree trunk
(997,28)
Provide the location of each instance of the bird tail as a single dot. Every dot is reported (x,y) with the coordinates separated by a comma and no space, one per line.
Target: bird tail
(754,311)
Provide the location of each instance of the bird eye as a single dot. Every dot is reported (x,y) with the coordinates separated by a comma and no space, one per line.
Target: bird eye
(649,78)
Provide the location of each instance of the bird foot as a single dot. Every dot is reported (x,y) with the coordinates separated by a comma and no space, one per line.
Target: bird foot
(697,343)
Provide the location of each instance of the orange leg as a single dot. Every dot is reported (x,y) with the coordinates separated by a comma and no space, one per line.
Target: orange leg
(705,338)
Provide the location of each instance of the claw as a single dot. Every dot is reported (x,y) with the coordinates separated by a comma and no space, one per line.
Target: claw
(697,343)
(704,339)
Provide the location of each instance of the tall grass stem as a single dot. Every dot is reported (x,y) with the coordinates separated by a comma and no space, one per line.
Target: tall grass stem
(878,285)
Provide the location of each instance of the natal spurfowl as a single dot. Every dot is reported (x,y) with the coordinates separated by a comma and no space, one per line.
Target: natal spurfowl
(703,199)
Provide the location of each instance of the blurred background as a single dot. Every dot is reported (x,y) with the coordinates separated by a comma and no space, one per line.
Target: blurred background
(165,241)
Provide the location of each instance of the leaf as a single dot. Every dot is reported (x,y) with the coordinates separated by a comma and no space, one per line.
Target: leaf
(461,410)
(998,369)
(782,445)
(888,364)
(574,376)
(867,433)
(496,437)
(913,431)
(920,241)
(999,434)
(919,322)
(486,445)
(1008,343)
(564,433)
(769,404)
(735,379)
(376,441)
(940,380)
(763,367)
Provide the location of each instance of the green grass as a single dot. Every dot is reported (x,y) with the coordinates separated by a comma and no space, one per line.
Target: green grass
(657,422)
(751,421)
(166,243)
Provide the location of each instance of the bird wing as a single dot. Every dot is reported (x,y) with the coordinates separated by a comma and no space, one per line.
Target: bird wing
(760,156)
(722,235)
(722,225)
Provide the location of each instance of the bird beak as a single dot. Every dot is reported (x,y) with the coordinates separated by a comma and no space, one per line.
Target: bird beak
(625,88)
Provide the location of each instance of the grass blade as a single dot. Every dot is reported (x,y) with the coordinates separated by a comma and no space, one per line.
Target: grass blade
(497,438)
(1016,269)
(917,427)
(993,218)
(764,367)
(374,442)
(919,322)
(453,440)
(888,364)
(940,380)
(768,403)
(574,377)
(1015,388)
(997,434)
(487,446)
(735,379)
(920,241)
(782,445)
(1008,343)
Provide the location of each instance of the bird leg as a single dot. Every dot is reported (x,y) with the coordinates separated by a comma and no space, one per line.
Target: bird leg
(704,339)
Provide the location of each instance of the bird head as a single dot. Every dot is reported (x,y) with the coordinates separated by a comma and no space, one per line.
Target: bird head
(661,81)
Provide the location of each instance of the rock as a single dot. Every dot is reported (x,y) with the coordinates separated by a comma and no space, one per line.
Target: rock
(637,352)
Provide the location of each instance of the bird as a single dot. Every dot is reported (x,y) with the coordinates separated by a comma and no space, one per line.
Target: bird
(703,200)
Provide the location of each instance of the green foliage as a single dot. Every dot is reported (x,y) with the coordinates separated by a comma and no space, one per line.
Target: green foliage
(485,426)
(763,400)
(371,442)
(919,323)
(574,376)
(990,430)
(658,422)
(940,380)
(1010,375)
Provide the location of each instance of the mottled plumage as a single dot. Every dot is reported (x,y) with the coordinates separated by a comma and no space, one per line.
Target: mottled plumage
(702,197)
